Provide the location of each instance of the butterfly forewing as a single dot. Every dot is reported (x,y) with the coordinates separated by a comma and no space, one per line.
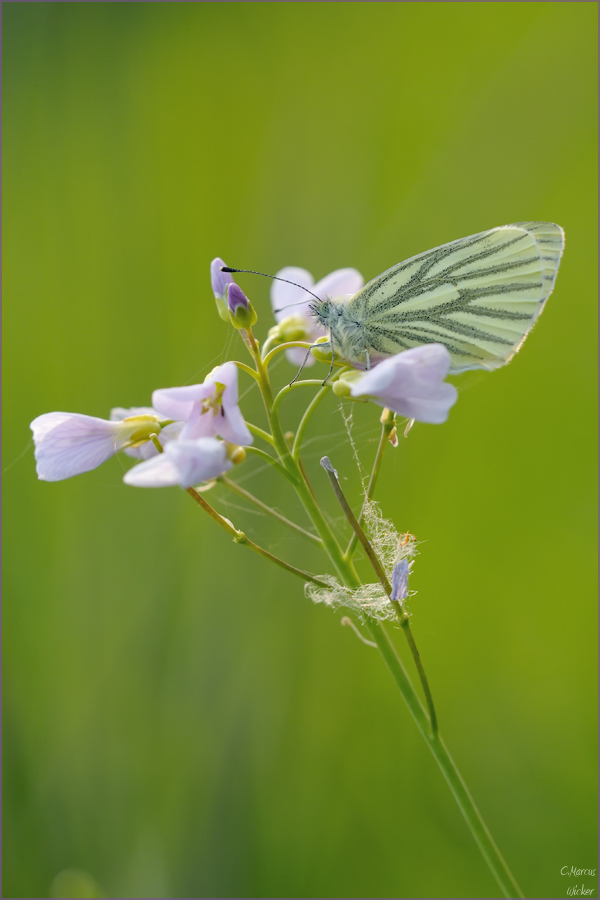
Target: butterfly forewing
(479,296)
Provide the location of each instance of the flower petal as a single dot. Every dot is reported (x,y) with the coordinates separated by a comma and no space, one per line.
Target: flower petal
(284,295)
(226,374)
(178,402)
(342,281)
(184,463)
(223,419)
(118,413)
(160,471)
(400,574)
(219,280)
(411,384)
(68,444)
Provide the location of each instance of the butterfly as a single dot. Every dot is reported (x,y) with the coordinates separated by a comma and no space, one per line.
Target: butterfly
(479,296)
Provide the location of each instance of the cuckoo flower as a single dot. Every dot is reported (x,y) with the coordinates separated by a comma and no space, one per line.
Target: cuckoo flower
(209,409)
(298,322)
(68,444)
(410,383)
(183,463)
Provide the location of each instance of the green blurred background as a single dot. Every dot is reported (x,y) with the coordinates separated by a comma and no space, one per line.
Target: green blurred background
(179,720)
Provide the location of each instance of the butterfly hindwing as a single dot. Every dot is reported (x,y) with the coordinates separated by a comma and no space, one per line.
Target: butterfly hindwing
(479,296)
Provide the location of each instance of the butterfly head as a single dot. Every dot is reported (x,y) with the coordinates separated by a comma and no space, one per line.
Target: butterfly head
(326,312)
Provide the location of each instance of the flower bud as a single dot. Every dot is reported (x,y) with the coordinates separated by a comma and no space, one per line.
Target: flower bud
(344,384)
(219,282)
(322,355)
(341,389)
(241,311)
(275,335)
(235,453)
(294,328)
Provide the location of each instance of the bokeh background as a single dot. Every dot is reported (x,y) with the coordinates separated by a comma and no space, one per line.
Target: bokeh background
(178,720)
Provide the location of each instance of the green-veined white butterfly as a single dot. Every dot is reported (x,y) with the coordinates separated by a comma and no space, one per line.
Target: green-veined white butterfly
(478,296)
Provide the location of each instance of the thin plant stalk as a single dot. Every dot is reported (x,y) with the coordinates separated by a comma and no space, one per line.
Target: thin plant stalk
(259,432)
(240,538)
(291,465)
(305,382)
(304,421)
(465,802)
(242,492)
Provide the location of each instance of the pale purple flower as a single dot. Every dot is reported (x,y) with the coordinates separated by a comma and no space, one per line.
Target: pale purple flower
(68,444)
(146,450)
(341,283)
(184,463)
(400,574)
(411,384)
(209,409)
(219,280)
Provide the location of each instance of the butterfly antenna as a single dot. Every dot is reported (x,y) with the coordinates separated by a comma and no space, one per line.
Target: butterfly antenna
(275,278)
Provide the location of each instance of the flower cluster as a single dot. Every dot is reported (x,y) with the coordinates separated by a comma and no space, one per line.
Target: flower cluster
(195,433)
(190,434)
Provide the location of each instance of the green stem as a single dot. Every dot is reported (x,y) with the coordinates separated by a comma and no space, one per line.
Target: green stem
(293,471)
(386,430)
(345,569)
(405,624)
(310,382)
(237,489)
(279,441)
(268,344)
(246,369)
(255,451)
(258,432)
(273,353)
(461,794)
(304,421)
(240,538)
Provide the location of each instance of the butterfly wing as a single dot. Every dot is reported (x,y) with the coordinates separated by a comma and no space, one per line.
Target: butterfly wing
(479,296)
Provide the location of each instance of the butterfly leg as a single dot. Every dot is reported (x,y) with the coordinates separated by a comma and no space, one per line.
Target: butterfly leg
(297,376)
(368,360)
(332,358)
